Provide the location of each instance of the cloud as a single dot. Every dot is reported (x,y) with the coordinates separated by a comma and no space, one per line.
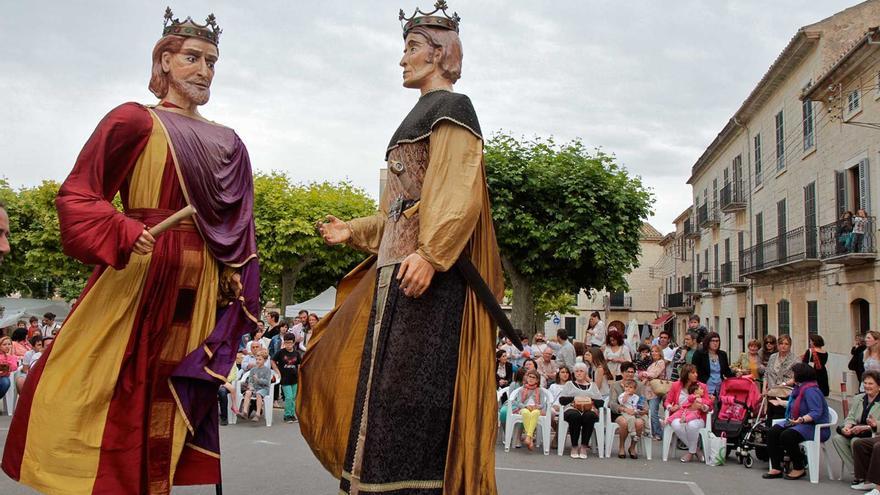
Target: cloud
(314,88)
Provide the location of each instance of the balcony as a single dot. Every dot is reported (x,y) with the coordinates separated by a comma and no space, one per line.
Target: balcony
(678,302)
(732,197)
(708,282)
(690,230)
(707,215)
(688,287)
(839,246)
(731,277)
(796,250)
(618,300)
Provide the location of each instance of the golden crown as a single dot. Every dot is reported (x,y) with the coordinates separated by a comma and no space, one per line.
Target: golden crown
(209,31)
(428,19)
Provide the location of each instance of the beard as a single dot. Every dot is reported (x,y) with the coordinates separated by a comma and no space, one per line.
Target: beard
(190,91)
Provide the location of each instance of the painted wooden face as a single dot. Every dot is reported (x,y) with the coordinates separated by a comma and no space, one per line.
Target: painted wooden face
(192,69)
(419,61)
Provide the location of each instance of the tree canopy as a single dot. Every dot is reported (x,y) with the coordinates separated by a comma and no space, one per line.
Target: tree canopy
(566,219)
(294,262)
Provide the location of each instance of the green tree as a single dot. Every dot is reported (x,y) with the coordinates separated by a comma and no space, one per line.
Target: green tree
(295,263)
(566,219)
(37,267)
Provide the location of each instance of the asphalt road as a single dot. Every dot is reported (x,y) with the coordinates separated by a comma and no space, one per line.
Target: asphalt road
(275,461)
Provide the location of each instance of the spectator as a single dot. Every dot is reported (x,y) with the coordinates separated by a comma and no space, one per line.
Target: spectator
(30,357)
(844,232)
(863,407)
(563,376)
(275,340)
(683,355)
(21,324)
(540,344)
(626,428)
(616,353)
(287,361)
(565,354)
(687,432)
(694,325)
(817,358)
(632,406)
(871,356)
(34,327)
(664,340)
(778,377)
(258,382)
(770,348)
(657,370)
(20,345)
(596,332)
(598,371)
(300,324)
(547,367)
(749,363)
(806,407)
(859,225)
(274,324)
(579,350)
(856,363)
(581,402)
(228,387)
(313,320)
(643,358)
(250,359)
(531,402)
(514,355)
(49,327)
(712,364)
(8,364)
(504,370)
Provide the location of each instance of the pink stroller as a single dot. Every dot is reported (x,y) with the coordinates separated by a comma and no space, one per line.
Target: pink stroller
(739,400)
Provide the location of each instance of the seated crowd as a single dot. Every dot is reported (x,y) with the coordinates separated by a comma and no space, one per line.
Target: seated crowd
(654,388)
(20,349)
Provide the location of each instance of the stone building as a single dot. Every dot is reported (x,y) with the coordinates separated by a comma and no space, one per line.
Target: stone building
(767,253)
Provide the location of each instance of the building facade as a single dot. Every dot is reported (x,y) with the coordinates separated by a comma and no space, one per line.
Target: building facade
(770,253)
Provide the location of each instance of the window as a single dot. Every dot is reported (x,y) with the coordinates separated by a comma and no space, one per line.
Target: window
(809,125)
(759,240)
(853,188)
(781,230)
(812,317)
(853,102)
(780,141)
(810,219)
(761,326)
(758,163)
(783,317)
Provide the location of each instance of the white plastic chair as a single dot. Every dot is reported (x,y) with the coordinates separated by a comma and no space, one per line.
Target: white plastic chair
(668,434)
(611,432)
(268,401)
(598,434)
(814,448)
(543,423)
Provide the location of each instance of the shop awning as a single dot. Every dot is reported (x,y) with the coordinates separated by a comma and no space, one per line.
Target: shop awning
(663,319)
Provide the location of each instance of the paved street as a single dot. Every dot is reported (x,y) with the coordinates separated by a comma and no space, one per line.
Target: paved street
(276,460)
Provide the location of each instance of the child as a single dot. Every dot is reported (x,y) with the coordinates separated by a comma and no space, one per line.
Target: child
(258,383)
(859,222)
(644,358)
(530,402)
(287,360)
(685,413)
(629,398)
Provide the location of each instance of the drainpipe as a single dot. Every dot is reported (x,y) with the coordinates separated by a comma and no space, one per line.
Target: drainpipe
(750,290)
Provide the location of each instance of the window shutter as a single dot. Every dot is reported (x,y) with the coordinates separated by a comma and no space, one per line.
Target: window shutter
(864,187)
(840,188)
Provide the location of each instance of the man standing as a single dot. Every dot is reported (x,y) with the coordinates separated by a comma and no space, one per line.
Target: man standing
(565,353)
(683,355)
(48,327)
(167,311)
(421,422)
(596,331)
(664,340)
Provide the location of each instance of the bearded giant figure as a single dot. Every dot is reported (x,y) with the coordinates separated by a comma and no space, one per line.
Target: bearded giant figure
(125,399)
(398,394)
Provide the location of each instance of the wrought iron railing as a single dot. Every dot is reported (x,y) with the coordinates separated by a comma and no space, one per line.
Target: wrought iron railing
(618,300)
(732,196)
(707,280)
(687,284)
(795,245)
(730,273)
(840,238)
(707,215)
(677,300)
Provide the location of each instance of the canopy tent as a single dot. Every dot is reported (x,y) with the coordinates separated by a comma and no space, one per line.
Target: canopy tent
(22,309)
(321,304)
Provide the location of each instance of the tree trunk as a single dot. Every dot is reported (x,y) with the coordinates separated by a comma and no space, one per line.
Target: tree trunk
(523,313)
(288,283)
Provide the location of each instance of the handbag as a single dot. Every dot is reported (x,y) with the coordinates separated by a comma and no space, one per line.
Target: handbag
(660,386)
(779,391)
(716,450)
(583,404)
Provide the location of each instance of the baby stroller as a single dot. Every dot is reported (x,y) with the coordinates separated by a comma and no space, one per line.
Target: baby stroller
(739,402)
(755,438)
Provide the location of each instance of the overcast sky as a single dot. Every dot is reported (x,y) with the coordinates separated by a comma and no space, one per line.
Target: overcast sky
(313,88)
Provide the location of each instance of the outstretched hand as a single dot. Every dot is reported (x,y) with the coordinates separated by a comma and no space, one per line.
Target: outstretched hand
(415,275)
(333,230)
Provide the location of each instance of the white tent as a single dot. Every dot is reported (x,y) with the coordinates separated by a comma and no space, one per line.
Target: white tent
(320,304)
(23,308)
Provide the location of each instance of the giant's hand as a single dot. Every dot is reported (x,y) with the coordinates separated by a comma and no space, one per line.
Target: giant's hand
(415,275)
(144,244)
(334,231)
